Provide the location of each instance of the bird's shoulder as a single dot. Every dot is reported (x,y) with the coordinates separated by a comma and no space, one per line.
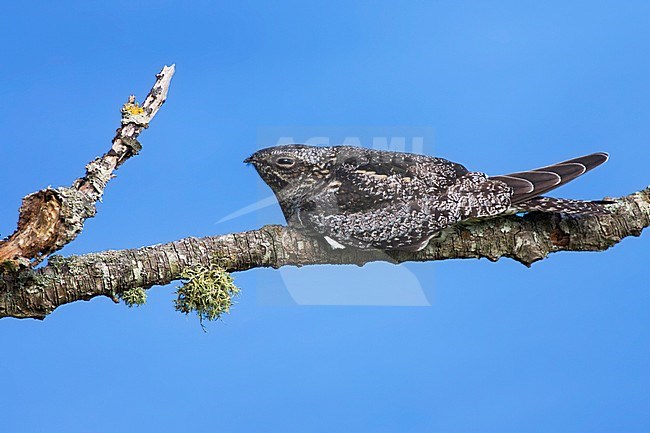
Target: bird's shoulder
(390,162)
(366,178)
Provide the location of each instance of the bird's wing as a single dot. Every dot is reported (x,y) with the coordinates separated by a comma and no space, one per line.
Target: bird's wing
(434,172)
(362,189)
(373,178)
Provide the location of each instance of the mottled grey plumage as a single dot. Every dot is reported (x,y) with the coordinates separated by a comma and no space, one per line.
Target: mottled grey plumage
(368,198)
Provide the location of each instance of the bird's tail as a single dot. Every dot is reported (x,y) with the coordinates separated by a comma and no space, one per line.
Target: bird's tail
(529,185)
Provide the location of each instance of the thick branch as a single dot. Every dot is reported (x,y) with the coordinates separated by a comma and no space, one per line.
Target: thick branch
(51,218)
(35,293)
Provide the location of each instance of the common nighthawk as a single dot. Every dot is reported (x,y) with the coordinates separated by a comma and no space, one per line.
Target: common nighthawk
(385,200)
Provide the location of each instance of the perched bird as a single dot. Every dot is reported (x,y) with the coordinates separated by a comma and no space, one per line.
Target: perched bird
(367,198)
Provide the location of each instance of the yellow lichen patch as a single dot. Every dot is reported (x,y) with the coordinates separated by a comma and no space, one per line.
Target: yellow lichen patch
(132,112)
(133,109)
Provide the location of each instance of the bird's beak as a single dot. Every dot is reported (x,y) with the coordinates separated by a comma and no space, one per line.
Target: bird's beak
(249,160)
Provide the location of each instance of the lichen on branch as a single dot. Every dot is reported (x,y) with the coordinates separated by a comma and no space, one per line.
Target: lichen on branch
(206,291)
(134,297)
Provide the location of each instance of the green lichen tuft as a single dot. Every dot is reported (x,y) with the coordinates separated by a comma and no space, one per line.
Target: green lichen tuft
(207,291)
(134,297)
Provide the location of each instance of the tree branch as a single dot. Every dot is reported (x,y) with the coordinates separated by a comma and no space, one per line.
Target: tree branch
(51,218)
(35,293)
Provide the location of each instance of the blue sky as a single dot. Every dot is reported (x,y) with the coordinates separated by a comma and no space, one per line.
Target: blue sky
(503,85)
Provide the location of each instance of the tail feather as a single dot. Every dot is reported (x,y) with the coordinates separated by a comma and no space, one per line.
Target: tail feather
(527,185)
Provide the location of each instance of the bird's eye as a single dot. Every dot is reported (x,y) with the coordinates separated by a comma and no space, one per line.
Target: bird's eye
(285,162)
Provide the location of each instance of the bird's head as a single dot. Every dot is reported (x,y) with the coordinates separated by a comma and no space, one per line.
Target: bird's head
(293,165)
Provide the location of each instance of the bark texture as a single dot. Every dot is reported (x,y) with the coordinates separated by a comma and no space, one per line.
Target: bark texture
(35,293)
(51,218)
